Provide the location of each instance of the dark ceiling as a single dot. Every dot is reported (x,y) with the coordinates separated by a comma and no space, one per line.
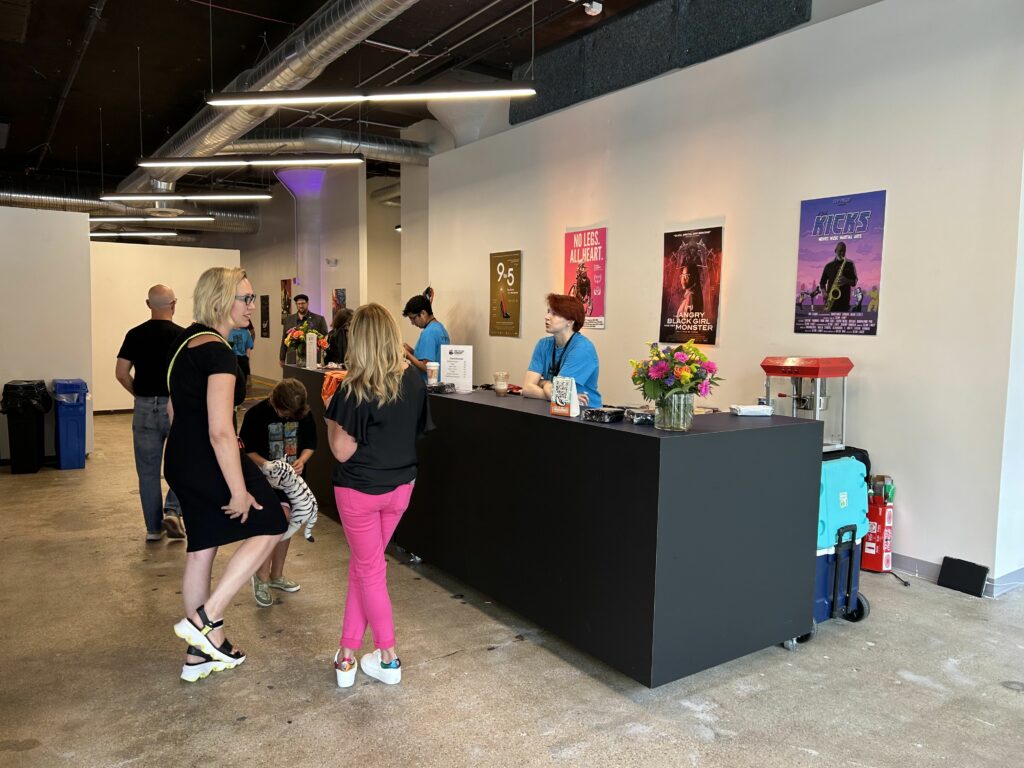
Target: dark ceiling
(166,46)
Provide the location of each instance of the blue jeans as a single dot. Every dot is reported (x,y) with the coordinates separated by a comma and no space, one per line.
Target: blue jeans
(150,426)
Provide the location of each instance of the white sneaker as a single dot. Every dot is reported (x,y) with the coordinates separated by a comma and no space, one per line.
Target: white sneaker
(371,665)
(346,677)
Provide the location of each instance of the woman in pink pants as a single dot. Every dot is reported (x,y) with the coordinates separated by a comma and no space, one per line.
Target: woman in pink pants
(373,423)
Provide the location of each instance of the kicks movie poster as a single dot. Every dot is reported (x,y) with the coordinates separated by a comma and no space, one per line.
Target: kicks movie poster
(586,254)
(691,283)
(839,266)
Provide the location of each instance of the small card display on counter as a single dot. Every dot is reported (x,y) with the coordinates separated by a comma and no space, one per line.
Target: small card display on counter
(564,399)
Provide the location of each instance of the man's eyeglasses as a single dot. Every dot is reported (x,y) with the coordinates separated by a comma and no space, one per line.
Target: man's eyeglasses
(248,298)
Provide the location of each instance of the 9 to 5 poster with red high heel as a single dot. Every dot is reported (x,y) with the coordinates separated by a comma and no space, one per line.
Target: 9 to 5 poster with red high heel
(505,279)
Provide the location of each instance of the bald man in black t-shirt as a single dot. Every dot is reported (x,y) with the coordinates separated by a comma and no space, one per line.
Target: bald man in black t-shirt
(147,350)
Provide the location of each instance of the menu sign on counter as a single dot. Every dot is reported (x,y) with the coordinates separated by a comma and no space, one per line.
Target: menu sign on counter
(505,279)
(457,366)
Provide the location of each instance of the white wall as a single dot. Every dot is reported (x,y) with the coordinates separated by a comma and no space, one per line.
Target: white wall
(1010,541)
(268,256)
(44,261)
(874,99)
(384,250)
(121,276)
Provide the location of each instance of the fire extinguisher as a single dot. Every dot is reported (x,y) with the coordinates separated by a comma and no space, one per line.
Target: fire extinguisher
(876,554)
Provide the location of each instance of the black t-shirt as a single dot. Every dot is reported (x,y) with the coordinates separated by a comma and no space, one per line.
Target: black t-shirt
(266,433)
(149,348)
(386,456)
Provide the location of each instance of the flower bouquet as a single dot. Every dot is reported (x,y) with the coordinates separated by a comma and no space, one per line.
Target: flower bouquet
(671,377)
(296,339)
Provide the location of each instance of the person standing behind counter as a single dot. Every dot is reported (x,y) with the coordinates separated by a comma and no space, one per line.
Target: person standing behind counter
(566,352)
(428,348)
(302,315)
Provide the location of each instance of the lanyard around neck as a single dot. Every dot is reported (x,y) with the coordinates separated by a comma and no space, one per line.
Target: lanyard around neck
(556,369)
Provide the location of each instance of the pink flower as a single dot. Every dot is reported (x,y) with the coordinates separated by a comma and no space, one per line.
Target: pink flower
(682,357)
(710,367)
(704,388)
(658,370)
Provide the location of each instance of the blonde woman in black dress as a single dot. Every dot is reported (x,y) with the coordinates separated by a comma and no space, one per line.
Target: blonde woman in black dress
(224,496)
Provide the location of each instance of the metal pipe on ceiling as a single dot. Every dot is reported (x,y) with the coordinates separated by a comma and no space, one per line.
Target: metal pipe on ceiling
(335,29)
(329,140)
(90,28)
(242,221)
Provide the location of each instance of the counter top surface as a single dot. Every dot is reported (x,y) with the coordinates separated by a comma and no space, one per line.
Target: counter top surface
(710,423)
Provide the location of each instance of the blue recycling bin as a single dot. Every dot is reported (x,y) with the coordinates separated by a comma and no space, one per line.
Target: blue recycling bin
(69,395)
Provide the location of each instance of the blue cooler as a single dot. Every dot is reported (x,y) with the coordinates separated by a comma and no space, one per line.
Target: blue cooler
(69,395)
(842,523)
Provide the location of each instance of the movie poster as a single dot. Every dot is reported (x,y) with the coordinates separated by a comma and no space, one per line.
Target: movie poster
(265,316)
(839,266)
(691,284)
(286,298)
(586,254)
(339,300)
(505,278)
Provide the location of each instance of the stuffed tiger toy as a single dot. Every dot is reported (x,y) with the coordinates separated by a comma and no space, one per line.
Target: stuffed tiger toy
(304,507)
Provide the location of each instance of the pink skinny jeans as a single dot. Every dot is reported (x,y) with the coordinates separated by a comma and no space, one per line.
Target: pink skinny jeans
(369,522)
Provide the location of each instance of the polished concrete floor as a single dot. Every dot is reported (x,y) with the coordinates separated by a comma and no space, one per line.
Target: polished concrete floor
(89,670)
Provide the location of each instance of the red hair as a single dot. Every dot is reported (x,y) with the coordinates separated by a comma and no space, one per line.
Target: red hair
(568,307)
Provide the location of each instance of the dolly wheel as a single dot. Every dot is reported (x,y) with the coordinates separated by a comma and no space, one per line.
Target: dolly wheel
(810,635)
(790,645)
(862,610)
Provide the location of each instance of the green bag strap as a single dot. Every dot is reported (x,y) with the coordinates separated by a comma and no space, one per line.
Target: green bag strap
(185,344)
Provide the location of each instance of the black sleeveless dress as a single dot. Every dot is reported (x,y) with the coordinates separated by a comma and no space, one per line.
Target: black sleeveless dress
(190,464)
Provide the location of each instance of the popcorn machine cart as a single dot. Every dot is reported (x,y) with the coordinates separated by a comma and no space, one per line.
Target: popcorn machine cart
(799,386)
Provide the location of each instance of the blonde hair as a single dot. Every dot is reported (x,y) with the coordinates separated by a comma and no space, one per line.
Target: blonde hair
(374,359)
(215,294)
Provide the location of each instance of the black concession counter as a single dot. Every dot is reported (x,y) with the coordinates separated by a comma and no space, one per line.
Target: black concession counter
(659,553)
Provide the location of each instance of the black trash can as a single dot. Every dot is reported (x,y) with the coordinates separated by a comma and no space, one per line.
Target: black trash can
(24,402)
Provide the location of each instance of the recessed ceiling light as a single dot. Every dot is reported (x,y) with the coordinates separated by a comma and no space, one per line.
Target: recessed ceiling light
(408,93)
(262,161)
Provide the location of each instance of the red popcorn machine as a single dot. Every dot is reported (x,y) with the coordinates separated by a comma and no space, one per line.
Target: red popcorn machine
(800,387)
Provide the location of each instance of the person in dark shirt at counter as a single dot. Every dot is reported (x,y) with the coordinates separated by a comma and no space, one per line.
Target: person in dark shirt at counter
(337,339)
(280,427)
(302,315)
(147,348)
(566,352)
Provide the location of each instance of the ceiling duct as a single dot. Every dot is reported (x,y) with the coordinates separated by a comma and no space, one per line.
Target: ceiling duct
(242,221)
(335,29)
(329,140)
(671,34)
(389,195)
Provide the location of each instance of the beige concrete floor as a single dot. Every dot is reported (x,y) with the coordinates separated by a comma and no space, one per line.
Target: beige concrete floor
(89,666)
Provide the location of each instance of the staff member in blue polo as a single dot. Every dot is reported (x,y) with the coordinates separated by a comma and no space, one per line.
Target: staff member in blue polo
(566,352)
(432,335)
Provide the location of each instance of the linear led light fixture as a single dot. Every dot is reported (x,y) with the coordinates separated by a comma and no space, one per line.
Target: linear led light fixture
(150,233)
(140,219)
(356,96)
(242,161)
(198,196)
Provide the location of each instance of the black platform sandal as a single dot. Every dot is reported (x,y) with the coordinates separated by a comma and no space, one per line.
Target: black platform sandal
(196,636)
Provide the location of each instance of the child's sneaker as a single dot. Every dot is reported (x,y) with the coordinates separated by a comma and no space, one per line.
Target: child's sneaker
(390,672)
(344,670)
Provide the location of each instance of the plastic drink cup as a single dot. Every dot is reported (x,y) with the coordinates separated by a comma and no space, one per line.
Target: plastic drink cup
(501,383)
